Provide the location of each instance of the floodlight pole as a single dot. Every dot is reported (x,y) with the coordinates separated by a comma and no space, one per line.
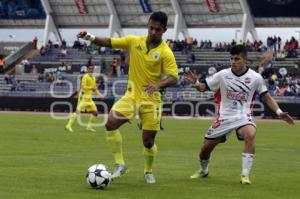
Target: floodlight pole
(248,22)
(50,24)
(179,22)
(114,22)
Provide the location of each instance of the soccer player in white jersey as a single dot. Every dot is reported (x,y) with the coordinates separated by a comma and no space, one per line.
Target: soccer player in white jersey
(235,89)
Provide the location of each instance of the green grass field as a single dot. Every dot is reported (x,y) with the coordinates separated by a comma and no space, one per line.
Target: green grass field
(39,160)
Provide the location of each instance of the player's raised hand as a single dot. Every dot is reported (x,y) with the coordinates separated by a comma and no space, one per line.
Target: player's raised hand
(190,76)
(286,117)
(86,36)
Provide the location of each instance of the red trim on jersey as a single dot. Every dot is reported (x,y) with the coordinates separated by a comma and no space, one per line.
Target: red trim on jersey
(218,97)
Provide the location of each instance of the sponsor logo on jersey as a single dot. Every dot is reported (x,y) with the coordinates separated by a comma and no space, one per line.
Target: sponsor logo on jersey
(239,96)
(247,80)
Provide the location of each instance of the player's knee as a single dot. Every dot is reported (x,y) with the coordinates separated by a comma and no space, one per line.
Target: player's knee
(249,136)
(110,125)
(148,143)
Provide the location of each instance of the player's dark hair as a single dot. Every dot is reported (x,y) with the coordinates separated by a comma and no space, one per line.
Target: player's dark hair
(161,17)
(239,49)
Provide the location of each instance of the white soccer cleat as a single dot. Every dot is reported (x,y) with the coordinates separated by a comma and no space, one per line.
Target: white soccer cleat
(149,178)
(119,170)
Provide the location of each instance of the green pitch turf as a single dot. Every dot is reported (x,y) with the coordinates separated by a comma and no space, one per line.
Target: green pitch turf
(39,160)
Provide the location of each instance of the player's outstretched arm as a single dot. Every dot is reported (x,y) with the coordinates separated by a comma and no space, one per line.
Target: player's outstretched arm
(272,104)
(98,94)
(100,41)
(190,76)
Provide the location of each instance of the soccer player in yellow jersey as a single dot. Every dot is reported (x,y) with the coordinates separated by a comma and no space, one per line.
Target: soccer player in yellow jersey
(85,100)
(150,60)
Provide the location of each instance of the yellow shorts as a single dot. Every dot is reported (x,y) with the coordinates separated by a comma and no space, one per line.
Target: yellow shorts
(86,106)
(148,111)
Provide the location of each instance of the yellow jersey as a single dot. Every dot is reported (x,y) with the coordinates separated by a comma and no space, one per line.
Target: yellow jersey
(146,66)
(88,86)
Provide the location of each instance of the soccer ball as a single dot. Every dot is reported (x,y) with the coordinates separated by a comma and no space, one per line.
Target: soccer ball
(98,176)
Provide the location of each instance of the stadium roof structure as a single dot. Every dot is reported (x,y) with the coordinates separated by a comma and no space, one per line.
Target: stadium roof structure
(183,14)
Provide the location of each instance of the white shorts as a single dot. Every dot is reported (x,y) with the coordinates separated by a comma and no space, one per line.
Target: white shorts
(223,127)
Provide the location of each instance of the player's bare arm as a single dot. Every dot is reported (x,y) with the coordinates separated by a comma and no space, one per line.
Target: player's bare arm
(190,76)
(163,83)
(100,41)
(97,92)
(272,104)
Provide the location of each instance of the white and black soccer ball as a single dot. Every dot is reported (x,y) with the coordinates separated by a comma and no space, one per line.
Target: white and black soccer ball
(98,176)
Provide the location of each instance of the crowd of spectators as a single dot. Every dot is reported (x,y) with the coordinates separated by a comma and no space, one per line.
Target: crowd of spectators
(278,84)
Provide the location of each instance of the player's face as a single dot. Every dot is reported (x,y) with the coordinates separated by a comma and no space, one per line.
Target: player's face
(238,62)
(155,31)
(90,69)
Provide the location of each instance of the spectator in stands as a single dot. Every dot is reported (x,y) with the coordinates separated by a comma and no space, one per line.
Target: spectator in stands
(63,44)
(50,77)
(41,77)
(58,74)
(282,89)
(25,62)
(233,43)
(2,63)
(118,67)
(34,70)
(63,52)
(77,44)
(103,64)
(14,83)
(274,42)
(7,79)
(190,57)
(114,66)
(279,43)
(124,56)
(101,83)
(35,41)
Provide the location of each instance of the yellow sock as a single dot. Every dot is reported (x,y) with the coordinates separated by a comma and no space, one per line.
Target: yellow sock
(149,157)
(114,140)
(72,119)
(91,121)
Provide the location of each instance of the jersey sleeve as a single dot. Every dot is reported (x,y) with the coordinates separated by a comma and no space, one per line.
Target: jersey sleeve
(123,42)
(169,65)
(261,86)
(213,82)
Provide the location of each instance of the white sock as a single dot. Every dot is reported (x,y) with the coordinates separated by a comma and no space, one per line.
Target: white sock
(204,165)
(247,160)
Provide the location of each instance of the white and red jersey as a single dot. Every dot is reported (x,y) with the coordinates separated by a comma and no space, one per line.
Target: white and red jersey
(235,93)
